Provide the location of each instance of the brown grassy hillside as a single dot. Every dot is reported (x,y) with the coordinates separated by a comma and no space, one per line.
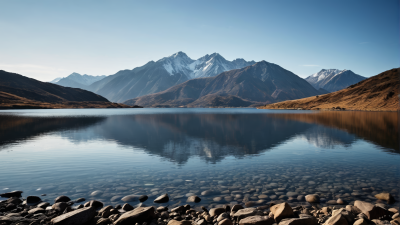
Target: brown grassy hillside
(377,93)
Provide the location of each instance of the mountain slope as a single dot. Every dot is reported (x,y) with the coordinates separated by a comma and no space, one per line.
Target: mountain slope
(333,79)
(77,80)
(377,93)
(158,76)
(17,91)
(256,84)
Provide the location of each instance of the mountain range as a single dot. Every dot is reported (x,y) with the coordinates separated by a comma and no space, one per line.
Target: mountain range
(77,80)
(333,79)
(256,84)
(158,76)
(377,93)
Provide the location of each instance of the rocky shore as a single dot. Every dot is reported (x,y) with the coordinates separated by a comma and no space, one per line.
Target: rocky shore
(31,210)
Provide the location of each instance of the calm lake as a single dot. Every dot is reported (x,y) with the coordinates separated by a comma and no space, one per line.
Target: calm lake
(236,155)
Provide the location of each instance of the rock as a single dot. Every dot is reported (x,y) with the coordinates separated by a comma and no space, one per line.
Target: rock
(282,211)
(103,221)
(130,198)
(312,198)
(127,207)
(380,222)
(225,222)
(371,211)
(216,211)
(62,198)
(33,199)
(385,196)
(340,202)
(250,204)
(395,216)
(80,200)
(183,222)
(43,205)
(257,220)
(162,199)
(337,219)
(236,208)
(393,210)
(347,215)
(222,216)
(59,206)
(363,221)
(143,198)
(12,194)
(300,198)
(194,198)
(208,192)
(395,221)
(243,213)
(331,202)
(138,215)
(94,203)
(14,200)
(76,217)
(300,221)
(96,193)
(36,210)
(353,209)
(105,212)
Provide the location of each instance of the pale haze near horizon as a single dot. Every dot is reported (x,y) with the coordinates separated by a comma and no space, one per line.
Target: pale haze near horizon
(49,39)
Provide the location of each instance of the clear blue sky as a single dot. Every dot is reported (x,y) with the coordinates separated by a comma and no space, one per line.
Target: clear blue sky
(47,39)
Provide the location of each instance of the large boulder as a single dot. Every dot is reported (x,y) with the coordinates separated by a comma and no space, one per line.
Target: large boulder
(300,221)
(162,199)
(337,219)
(370,210)
(138,215)
(282,211)
(257,220)
(312,198)
(76,217)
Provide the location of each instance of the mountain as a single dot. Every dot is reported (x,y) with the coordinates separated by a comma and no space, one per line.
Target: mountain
(18,91)
(377,93)
(257,84)
(333,79)
(77,80)
(158,76)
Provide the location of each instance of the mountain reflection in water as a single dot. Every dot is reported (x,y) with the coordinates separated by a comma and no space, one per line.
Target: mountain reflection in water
(212,137)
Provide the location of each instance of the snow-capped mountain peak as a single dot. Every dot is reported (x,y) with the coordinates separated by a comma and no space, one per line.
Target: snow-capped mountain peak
(333,79)
(206,66)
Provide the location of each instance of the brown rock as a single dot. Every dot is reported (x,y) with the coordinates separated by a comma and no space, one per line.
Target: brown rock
(138,215)
(312,198)
(243,213)
(371,211)
(94,203)
(103,221)
(216,211)
(300,221)
(236,208)
(60,206)
(282,211)
(183,222)
(105,212)
(257,220)
(337,219)
(395,221)
(353,209)
(36,210)
(225,222)
(127,207)
(77,217)
(162,199)
(194,198)
(362,221)
(385,196)
(62,198)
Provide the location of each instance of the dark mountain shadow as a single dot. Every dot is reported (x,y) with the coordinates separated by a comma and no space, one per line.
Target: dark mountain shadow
(379,128)
(15,129)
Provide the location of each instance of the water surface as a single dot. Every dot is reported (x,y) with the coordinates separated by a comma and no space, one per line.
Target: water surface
(239,155)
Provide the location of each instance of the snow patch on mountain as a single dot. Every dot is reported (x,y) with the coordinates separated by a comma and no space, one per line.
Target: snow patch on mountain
(206,66)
